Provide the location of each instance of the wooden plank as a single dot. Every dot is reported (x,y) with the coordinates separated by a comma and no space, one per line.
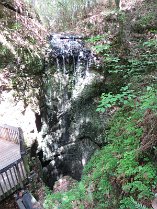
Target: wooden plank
(9,153)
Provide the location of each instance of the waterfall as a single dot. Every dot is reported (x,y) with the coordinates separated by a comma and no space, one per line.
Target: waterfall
(70,130)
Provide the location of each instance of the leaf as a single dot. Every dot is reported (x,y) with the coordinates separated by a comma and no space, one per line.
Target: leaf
(149,88)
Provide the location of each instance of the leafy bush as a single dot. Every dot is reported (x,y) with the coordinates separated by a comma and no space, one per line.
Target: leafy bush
(132,204)
(121,68)
(145,22)
(109,100)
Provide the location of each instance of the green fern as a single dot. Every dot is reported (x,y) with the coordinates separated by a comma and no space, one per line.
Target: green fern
(137,205)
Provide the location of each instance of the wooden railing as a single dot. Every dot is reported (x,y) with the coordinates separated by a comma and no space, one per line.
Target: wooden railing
(12,178)
(9,133)
(14,175)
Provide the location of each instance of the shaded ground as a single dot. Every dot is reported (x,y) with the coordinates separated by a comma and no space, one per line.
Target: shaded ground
(8,203)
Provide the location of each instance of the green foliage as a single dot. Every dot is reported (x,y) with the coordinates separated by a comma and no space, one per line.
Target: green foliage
(109,100)
(119,175)
(32,62)
(101,47)
(144,62)
(65,199)
(6,56)
(148,101)
(151,43)
(121,163)
(94,39)
(131,204)
(4,50)
(31,40)
(145,20)
(15,26)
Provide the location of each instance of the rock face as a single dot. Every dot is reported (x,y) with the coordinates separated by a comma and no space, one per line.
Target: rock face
(14,112)
(18,96)
(71,128)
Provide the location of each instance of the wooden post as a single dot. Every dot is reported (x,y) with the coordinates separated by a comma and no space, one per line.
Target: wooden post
(19,175)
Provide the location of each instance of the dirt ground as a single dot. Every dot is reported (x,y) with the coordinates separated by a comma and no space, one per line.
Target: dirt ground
(8,203)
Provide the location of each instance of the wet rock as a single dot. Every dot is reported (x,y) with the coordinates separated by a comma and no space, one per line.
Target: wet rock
(71,128)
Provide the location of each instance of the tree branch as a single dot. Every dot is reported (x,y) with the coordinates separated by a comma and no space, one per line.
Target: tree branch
(11,7)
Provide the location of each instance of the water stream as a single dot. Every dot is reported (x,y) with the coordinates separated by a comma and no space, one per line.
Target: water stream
(71,131)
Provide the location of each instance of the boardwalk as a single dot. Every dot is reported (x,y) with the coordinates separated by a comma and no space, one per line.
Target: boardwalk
(12,169)
(9,153)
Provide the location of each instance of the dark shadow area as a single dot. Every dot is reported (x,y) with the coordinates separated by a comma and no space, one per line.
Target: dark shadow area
(33,150)
(40,156)
(38,121)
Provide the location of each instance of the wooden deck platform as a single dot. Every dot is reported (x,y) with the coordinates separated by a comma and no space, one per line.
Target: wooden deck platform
(9,153)
(12,168)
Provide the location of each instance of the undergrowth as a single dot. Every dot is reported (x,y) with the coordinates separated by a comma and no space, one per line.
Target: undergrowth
(121,175)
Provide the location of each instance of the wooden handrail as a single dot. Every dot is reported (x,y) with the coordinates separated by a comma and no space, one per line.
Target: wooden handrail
(9,133)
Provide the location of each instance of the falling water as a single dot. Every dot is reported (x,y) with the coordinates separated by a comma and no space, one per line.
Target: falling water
(67,108)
